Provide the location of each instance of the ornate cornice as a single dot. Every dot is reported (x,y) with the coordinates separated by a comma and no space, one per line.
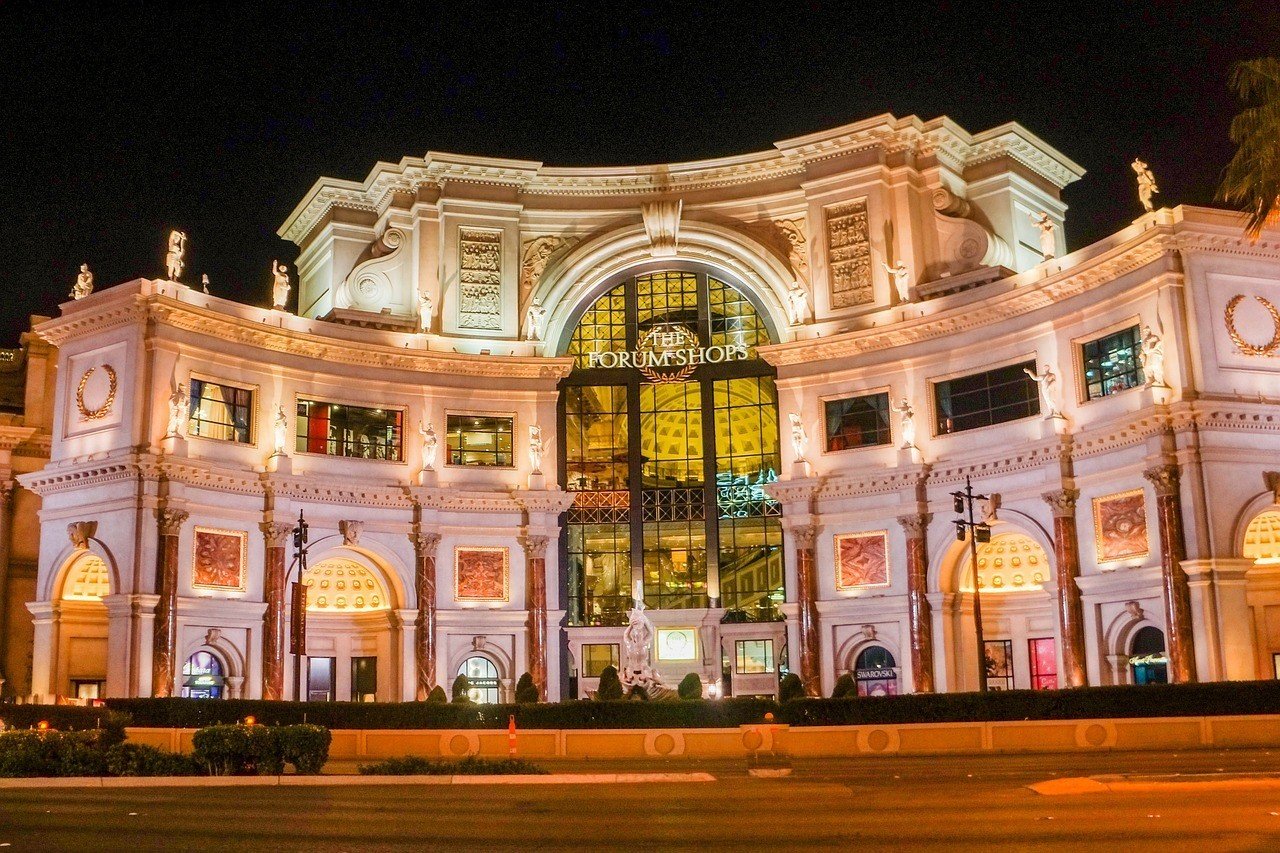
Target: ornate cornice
(543,501)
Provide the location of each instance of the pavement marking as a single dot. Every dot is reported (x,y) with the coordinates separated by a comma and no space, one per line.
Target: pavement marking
(331,781)
(1152,784)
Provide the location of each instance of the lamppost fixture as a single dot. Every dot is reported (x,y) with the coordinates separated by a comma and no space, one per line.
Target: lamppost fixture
(976,531)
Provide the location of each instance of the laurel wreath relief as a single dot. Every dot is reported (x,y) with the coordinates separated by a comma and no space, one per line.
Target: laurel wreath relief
(101,412)
(1241,344)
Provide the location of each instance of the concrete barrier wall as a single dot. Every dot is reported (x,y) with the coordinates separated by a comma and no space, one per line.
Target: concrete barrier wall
(809,741)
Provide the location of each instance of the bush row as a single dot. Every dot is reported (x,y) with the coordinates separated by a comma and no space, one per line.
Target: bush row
(1168,700)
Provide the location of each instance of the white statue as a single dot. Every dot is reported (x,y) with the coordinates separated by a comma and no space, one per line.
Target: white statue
(179,410)
(637,650)
(280,286)
(1146,184)
(906,423)
(799,438)
(426,310)
(173,257)
(901,278)
(281,427)
(797,305)
(534,319)
(535,448)
(1048,242)
(204,282)
(1152,357)
(429,445)
(1047,383)
(84,283)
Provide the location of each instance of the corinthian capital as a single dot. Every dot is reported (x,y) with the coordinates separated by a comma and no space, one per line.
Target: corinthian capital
(275,532)
(915,525)
(805,535)
(425,543)
(1164,478)
(535,547)
(1062,502)
(171,520)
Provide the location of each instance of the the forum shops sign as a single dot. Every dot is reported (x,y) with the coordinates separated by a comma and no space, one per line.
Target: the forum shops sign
(668,353)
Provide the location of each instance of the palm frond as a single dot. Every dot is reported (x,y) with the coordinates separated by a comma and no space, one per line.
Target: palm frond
(1252,178)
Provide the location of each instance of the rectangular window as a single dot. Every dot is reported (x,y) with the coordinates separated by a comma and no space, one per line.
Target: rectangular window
(596,656)
(336,429)
(221,411)
(999,664)
(754,656)
(364,679)
(857,422)
(1044,663)
(983,399)
(480,440)
(320,679)
(1111,364)
(1275,664)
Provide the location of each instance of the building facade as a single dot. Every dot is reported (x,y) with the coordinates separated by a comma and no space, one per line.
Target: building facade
(515,398)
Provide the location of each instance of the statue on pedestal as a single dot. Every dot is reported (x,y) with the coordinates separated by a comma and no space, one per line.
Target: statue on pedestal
(1048,242)
(906,423)
(1047,382)
(1146,183)
(281,429)
(173,258)
(901,278)
(535,320)
(535,448)
(204,282)
(179,410)
(426,310)
(797,305)
(84,283)
(429,445)
(637,646)
(1152,357)
(799,438)
(280,286)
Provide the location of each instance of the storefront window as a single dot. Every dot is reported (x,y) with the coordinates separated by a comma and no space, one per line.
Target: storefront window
(754,656)
(597,656)
(1111,364)
(202,677)
(1148,661)
(1043,654)
(984,399)
(220,411)
(857,422)
(364,679)
(480,440)
(875,672)
(336,429)
(483,676)
(999,664)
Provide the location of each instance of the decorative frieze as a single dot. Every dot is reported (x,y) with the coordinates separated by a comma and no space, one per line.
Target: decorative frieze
(849,254)
(479,279)
(535,254)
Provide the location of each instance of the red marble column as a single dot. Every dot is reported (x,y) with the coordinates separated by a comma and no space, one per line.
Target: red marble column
(276,535)
(807,599)
(1177,593)
(424,626)
(1066,558)
(165,640)
(536,553)
(919,614)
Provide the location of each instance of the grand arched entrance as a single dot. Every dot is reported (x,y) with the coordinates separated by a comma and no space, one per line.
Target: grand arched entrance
(669,432)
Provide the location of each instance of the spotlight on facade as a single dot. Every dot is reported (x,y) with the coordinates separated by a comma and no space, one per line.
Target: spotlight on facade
(982,533)
(250,720)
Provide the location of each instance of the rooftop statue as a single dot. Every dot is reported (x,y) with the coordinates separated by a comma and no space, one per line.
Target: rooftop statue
(280,286)
(1146,183)
(84,283)
(1048,242)
(173,258)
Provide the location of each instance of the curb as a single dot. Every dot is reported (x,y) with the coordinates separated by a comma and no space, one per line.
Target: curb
(1153,784)
(335,781)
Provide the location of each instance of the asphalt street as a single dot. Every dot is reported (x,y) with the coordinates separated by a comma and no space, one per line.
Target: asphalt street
(969,802)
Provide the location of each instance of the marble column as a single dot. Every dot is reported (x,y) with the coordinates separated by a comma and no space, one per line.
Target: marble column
(1176,592)
(165,639)
(807,601)
(919,614)
(276,535)
(6,538)
(424,626)
(535,549)
(1066,558)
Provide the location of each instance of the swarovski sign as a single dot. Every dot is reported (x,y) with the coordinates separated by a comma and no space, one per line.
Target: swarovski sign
(668,353)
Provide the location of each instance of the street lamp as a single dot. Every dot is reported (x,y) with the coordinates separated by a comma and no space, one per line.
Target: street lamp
(298,611)
(976,531)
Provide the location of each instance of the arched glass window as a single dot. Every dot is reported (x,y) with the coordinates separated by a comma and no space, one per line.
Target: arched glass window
(1147,657)
(670,431)
(202,677)
(875,672)
(483,676)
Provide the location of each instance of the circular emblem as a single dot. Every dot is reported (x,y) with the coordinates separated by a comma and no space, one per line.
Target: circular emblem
(1241,344)
(664,338)
(103,409)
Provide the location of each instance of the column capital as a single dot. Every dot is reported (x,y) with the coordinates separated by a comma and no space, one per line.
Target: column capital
(535,546)
(1062,502)
(805,535)
(1164,477)
(915,525)
(276,532)
(426,543)
(171,520)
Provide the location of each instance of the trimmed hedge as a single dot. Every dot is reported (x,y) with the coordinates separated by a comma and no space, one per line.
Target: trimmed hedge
(236,750)
(67,718)
(52,753)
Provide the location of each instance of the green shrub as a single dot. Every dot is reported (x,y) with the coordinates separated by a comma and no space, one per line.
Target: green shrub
(133,759)
(461,685)
(52,753)
(437,695)
(690,687)
(68,718)
(610,688)
(304,746)
(526,690)
(473,766)
(239,750)
(790,688)
(637,694)
(845,686)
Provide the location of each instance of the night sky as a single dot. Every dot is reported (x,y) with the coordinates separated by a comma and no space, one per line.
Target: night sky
(115,127)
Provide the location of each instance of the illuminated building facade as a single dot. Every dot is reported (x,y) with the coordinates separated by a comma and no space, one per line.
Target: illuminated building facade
(513,394)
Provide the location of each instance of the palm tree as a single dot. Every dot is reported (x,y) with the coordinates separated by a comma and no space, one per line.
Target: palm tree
(1252,178)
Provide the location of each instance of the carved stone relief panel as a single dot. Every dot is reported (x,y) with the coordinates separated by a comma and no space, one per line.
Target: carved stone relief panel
(849,254)
(220,558)
(481,574)
(535,254)
(862,559)
(480,279)
(787,237)
(1120,525)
